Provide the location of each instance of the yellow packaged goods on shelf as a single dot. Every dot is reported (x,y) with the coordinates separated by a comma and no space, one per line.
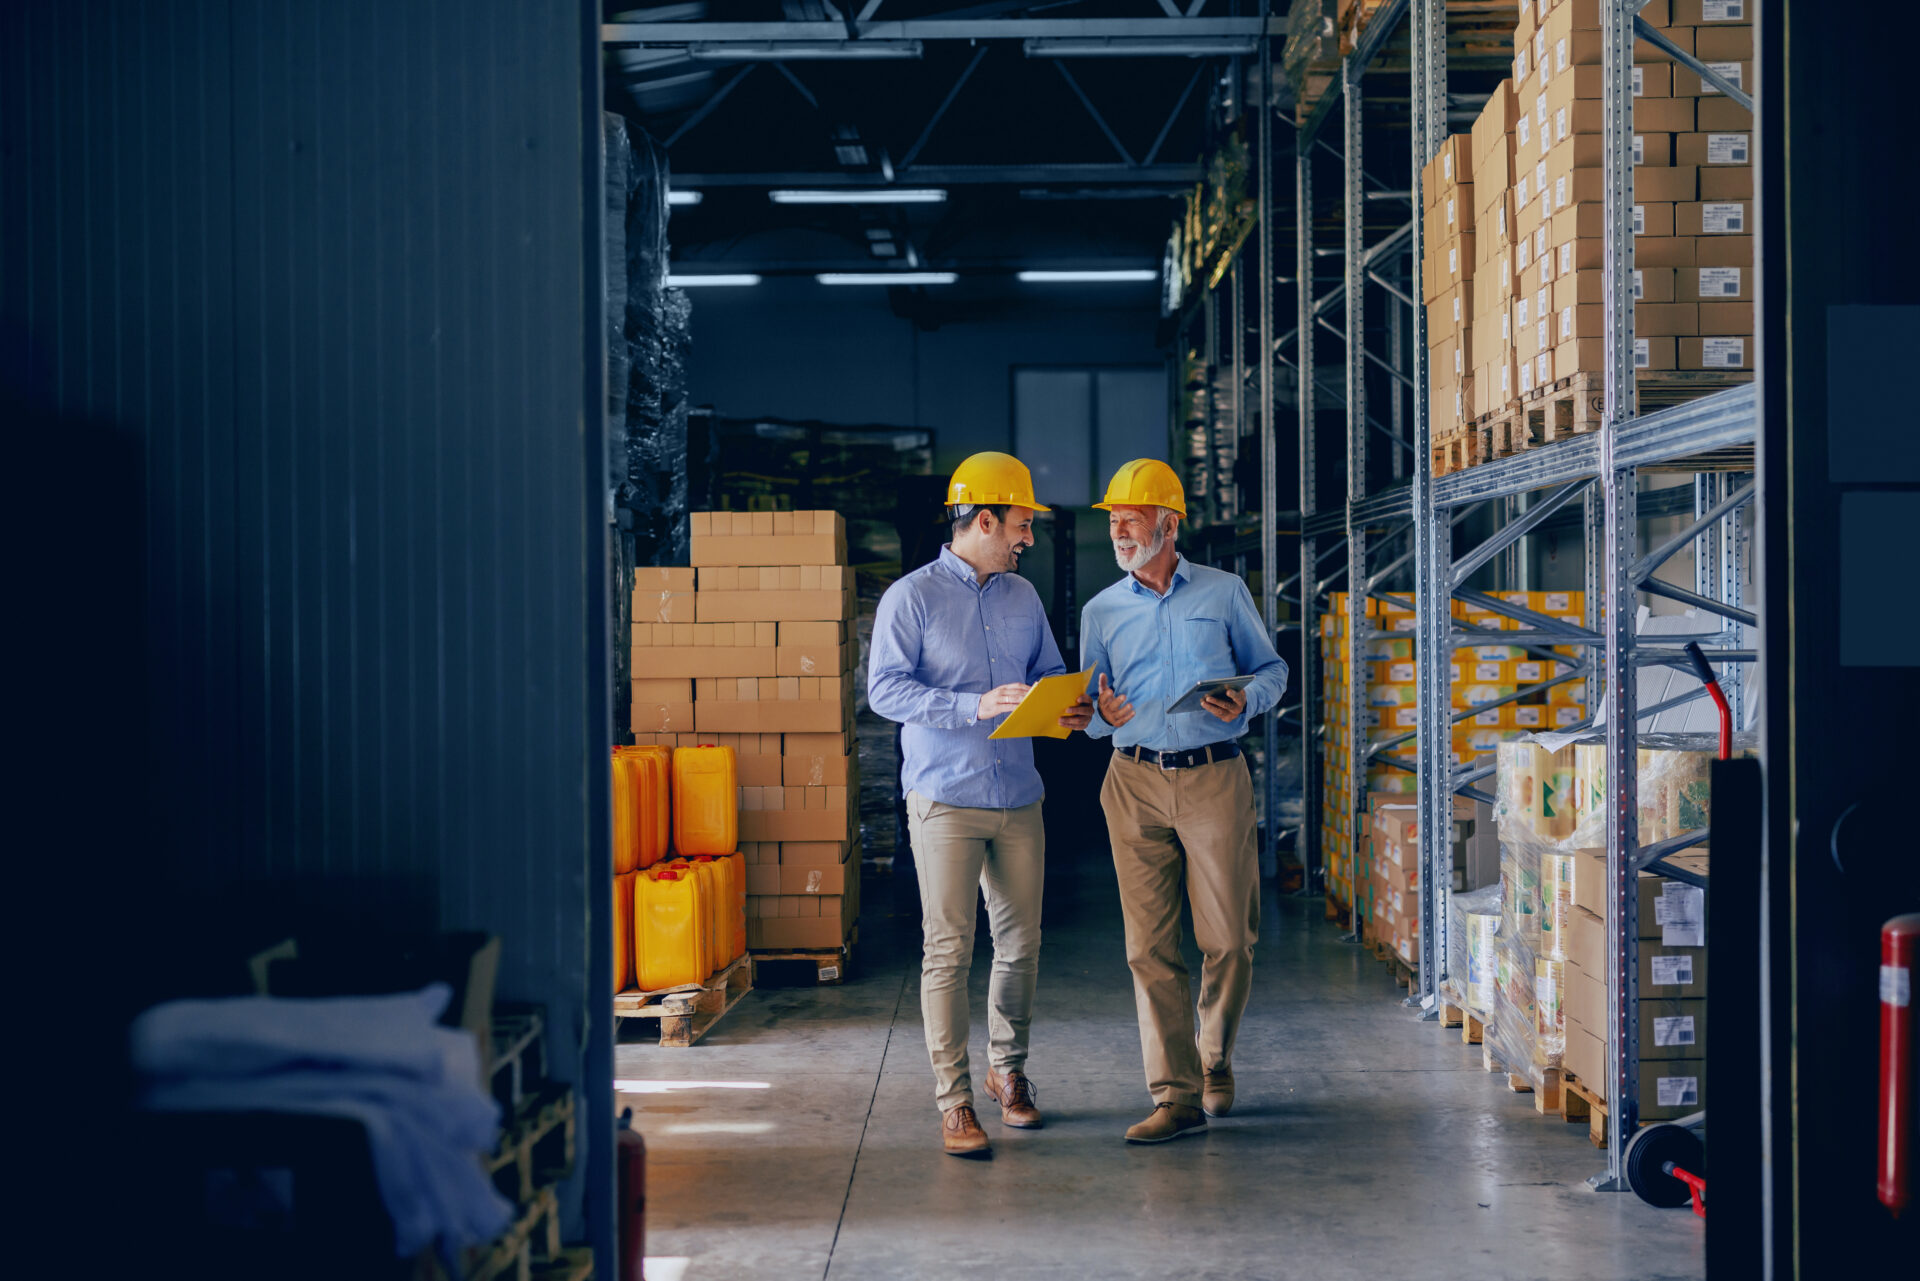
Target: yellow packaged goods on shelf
(672,918)
(627,769)
(706,801)
(624,889)
(649,804)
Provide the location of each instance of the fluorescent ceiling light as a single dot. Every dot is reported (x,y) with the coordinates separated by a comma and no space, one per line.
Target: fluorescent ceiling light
(797,50)
(860,196)
(685,197)
(887,277)
(1141,47)
(696,282)
(1087,277)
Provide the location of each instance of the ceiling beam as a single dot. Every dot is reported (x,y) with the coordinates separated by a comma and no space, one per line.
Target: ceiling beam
(1174,177)
(683,33)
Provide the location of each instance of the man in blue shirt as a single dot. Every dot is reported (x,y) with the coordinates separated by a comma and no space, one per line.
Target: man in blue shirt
(956,645)
(1178,795)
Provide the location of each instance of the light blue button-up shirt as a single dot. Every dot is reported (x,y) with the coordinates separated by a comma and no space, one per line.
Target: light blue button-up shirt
(1152,648)
(941,639)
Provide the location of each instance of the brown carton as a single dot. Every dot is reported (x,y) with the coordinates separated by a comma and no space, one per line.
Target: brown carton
(834,743)
(818,770)
(1727,182)
(1687,84)
(1655,353)
(1723,44)
(815,853)
(721,606)
(1579,222)
(757,769)
(1656,284)
(1670,184)
(1716,284)
(1720,113)
(1442,315)
(791,549)
(1702,13)
(1652,218)
(1666,319)
(1664,251)
(1723,251)
(1663,115)
(804,825)
(1578,356)
(662,690)
(1652,151)
(1726,317)
(1718,218)
(654,579)
(1652,80)
(694,662)
(810,660)
(661,718)
(1730,147)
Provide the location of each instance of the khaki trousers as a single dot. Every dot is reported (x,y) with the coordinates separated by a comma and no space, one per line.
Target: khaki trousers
(957,853)
(1192,828)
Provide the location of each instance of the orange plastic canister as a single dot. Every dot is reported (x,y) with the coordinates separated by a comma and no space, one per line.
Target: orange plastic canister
(624,890)
(653,820)
(739,862)
(706,801)
(672,920)
(627,769)
(721,940)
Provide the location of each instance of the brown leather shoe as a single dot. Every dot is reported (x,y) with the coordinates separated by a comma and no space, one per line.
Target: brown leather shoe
(1216,1091)
(960,1132)
(1014,1093)
(1169,1121)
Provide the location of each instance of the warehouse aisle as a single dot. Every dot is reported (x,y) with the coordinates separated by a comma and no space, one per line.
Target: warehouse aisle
(800,1140)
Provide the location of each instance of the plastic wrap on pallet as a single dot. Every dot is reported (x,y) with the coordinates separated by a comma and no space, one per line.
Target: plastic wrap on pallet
(654,492)
(1473,939)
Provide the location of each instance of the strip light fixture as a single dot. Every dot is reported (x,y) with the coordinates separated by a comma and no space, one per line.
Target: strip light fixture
(887,277)
(712,281)
(803,50)
(1140,47)
(685,197)
(861,196)
(1141,274)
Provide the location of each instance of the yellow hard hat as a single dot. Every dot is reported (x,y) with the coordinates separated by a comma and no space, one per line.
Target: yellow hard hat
(992,479)
(1145,482)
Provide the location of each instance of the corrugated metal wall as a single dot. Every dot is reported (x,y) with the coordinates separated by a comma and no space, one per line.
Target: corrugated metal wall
(327,260)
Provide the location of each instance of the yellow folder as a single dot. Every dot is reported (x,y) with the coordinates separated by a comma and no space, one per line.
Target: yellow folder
(1039,713)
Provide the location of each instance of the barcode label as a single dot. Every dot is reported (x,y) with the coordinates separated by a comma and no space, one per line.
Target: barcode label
(1567,715)
(1719,282)
(1560,125)
(1727,148)
(1523,251)
(1560,192)
(1526,717)
(1560,54)
(1543,337)
(1558,600)
(1540,184)
(1639,87)
(1453,269)
(1540,115)
(1642,354)
(1566,323)
(1520,311)
(1456,310)
(1724,10)
(1506,335)
(1677,1091)
(1457,358)
(1639,220)
(1639,285)
(1506,378)
(1501,218)
(1723,219)
(1523,131)
(1672,971)
(1639,146)
(1728,353)
(1446,165)
(1677,1030)
(1546,270)
(1520,66)
(1528,672)
(1566,258)
(1449,211)
(1491,717)
(1730,71)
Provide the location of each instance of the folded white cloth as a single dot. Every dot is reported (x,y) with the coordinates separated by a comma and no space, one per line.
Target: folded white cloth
(383,1061)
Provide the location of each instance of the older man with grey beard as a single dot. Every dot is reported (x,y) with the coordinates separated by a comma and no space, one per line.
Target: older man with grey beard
(1178,796)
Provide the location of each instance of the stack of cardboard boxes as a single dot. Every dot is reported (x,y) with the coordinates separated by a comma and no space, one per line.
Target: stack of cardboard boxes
(1490,345)
(1673,987)
(753,647)
(1480,675)
(1447,283)
(1692,188)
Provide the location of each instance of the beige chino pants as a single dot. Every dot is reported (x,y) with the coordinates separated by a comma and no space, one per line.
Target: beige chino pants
(1188,829)
(957,853)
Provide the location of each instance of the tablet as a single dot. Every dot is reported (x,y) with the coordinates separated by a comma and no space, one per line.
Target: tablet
(1190,701)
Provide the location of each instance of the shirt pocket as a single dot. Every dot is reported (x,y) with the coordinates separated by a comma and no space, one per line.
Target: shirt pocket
(1205,651)
(1019,645)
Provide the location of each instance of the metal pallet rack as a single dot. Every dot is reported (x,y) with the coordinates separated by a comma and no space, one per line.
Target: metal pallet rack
(1603,469)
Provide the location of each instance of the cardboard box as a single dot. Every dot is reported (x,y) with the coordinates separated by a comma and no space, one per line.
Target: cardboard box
(1656,353)
(662,690)
(1664,251)
(815,660)
(763,879)
(817,880)
(771,716)
(1664,115)
(1687,84)
(1727,182)
(767,538)
(779,606)
(661,718)
(1652,80)
(1723,251)
(1655,284)
(663,607)
(693,662)
(1722,318)
(1728,147)
(1718,218)
(1720,113)
(1716,284)
(833,743)
(655,579)
(1586,1058)
(1700,13)
(1715,44)
(1584,998)
(819,770)
(800,825)
(757,769)
(1578,222)
(1443,314)
(776,578)
(1650,218)
(1666,319)
(815,853)
(1668,184)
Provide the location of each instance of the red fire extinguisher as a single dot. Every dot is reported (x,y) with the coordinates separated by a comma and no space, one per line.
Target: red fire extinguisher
(631,1152)
(1899,941)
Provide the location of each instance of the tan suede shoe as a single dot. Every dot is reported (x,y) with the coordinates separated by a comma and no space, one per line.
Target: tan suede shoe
(1216,1092)
(961,1134)
(1169,1121)
(1014,1093)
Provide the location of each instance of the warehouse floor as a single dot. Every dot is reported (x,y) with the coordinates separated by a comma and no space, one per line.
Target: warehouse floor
(799,1139)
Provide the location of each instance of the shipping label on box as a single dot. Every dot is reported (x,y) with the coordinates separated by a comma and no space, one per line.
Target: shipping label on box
(1689,84)
(1714,353)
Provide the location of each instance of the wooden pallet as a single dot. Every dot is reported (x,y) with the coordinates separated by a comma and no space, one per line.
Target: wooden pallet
(830,965)
(1581,1103)
(1546,1099)
(570,1265)
(686,1013)
(1564,408)
(537,1148)
(1472,1030)
(519,1060)
(533,1238)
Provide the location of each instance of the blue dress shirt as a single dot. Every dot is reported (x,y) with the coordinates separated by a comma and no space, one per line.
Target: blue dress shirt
(1152,648)
(942,638)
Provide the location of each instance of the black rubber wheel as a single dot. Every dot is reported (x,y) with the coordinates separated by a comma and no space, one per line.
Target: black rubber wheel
(1650,1149)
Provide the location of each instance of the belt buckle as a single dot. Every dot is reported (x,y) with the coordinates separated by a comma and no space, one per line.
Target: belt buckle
(1161,761)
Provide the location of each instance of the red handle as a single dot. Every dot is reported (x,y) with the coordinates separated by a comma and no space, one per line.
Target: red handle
(1695,1184)
(1704,670)
(1899,942)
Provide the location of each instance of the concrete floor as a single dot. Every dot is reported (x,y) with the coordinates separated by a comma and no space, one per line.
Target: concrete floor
(799,1138)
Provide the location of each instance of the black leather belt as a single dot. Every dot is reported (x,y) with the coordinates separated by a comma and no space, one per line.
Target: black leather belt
(1207,755)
